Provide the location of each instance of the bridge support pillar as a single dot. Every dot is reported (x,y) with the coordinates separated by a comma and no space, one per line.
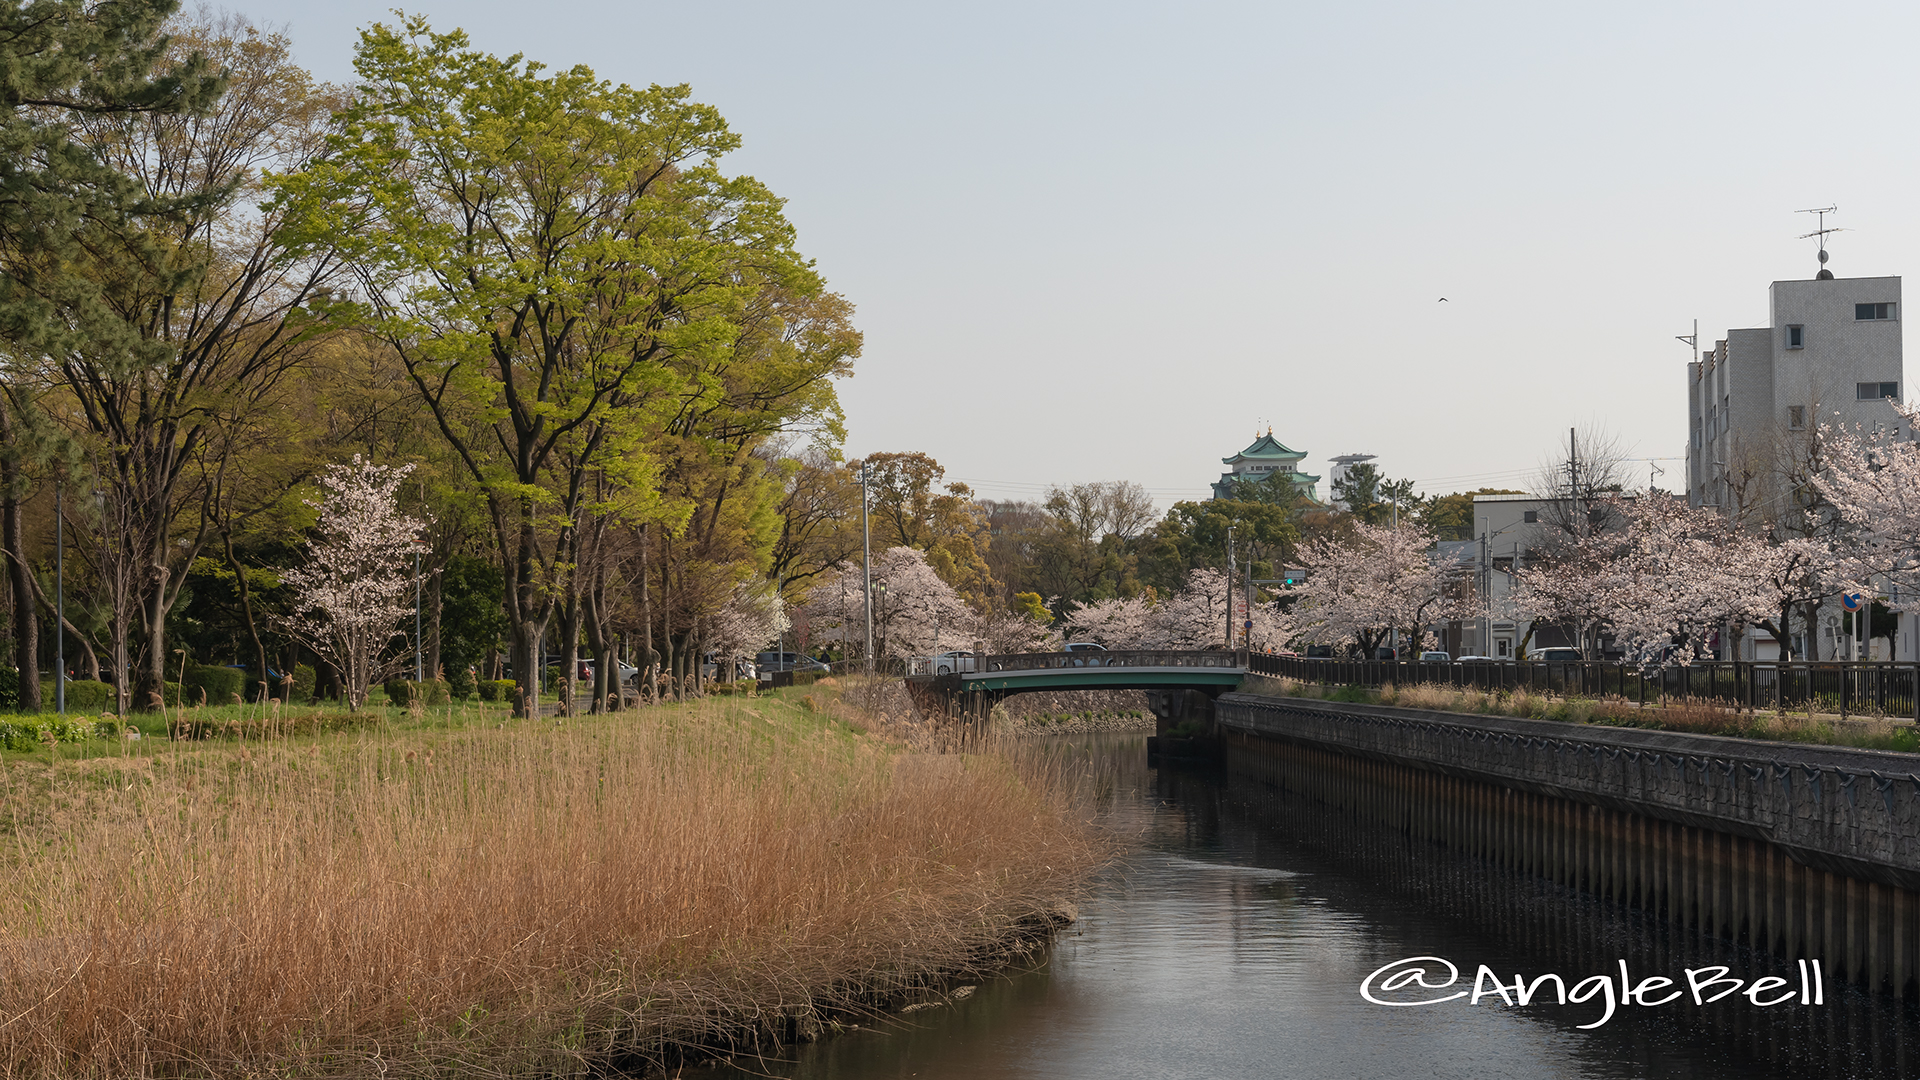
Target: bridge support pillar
(1188,709)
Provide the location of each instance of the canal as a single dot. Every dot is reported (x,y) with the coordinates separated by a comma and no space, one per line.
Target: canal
(1235,940)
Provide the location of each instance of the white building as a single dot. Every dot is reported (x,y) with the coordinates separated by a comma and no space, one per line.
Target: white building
(1338,474)
(1830,354)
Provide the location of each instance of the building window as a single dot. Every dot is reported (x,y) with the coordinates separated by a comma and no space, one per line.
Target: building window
(1530,517)
(1797,417)
(1796,337)
(1874,391)
(1873,312)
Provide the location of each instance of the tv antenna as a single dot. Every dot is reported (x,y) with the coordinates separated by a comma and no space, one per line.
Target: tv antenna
(1691,341)
(1821,231)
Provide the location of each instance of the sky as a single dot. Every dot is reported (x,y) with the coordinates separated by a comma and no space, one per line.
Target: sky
(1115,241)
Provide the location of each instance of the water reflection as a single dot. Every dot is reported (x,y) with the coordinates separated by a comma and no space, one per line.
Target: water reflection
(1235,943)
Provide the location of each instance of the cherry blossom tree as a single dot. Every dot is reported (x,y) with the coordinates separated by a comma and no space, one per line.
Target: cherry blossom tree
(358,581)
(1193,618)
(1123,623)
(745,624)
(1670,576)
(1871,480)
(1362,586)
(1017,632)
(1676,573)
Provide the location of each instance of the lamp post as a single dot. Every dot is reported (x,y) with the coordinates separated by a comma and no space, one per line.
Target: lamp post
(866,566)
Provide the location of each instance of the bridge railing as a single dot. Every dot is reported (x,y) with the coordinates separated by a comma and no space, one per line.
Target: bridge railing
(1880,688)
(1207,658)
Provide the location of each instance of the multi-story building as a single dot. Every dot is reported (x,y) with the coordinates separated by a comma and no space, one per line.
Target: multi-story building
(1263,458)
(1830,354)
(1337,475)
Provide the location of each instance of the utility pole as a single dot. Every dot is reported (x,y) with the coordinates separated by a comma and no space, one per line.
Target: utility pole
(866,565)
(1246,624)
(1230,572)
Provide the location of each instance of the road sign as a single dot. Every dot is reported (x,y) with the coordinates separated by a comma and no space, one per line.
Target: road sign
(1851,601)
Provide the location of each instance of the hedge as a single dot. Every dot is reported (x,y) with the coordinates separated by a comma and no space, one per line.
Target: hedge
(499,690)
(402,693)
(222,684)
(31,733)
(438,692)
(83,695)
(303,679)
(460,682)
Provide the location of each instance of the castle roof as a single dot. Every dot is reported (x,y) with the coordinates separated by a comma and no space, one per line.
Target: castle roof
(1265,448)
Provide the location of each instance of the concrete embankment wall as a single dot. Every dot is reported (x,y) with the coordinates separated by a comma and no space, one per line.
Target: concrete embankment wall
(1803,851)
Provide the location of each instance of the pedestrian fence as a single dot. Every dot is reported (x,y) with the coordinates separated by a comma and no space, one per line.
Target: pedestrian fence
(1882,688)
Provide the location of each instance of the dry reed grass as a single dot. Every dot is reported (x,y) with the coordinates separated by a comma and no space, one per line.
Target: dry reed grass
(546,899)
(1698,716)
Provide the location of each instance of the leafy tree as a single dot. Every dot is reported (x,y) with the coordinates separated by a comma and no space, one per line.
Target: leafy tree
(1371,497)
(1194,535)
(561,268)
(1450,517)
(472,622)
(75,235)
(911,508)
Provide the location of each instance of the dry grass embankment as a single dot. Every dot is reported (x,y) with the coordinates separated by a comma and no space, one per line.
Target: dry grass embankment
(1696,716)
(536,898)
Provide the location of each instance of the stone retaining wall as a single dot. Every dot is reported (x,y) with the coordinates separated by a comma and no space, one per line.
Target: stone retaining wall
(1853,812)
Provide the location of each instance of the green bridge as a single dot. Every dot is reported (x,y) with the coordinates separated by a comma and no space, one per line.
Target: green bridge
(1181,683)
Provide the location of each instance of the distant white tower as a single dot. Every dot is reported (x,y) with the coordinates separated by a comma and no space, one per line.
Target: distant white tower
(1338,475)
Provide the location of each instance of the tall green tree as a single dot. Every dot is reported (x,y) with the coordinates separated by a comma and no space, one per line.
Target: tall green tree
(559,263)
(1369,495)
(82,240)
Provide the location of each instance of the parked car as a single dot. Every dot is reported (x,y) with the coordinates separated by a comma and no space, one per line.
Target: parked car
(1558,654)
(1436,655)
(960,660)
(766,663)
(626,671)
(1384,652)
(1085,646)
(1480,660)
(1319,652)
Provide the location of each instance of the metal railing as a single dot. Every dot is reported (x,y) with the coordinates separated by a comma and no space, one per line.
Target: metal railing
(1211,658)
(1873,689)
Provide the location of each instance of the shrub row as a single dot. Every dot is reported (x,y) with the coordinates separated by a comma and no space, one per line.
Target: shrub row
(258,727)
(31,733)
(405,693)
(499,690)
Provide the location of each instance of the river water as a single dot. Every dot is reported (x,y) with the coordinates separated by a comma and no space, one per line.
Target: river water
(1235,941)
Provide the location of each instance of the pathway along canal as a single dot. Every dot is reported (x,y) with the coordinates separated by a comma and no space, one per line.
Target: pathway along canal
(1235,941)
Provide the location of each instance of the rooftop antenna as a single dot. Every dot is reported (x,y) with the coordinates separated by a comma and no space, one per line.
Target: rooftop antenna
(1821,232)
(1692,341)
(1653,470)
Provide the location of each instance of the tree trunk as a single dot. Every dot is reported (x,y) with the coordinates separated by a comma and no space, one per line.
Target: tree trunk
(26,623)
(153,678)
(432,646)
(569,647)
(246,613)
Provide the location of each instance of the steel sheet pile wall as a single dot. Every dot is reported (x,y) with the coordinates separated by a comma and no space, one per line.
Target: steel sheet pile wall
(1799,850)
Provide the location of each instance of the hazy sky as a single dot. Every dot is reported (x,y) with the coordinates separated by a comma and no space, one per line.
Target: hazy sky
(1110,241)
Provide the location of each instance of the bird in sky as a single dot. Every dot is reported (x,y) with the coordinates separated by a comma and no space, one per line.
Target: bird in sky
(1443,299)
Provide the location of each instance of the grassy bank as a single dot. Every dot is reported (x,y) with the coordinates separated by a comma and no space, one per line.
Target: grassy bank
(1691,715)
(507,897)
